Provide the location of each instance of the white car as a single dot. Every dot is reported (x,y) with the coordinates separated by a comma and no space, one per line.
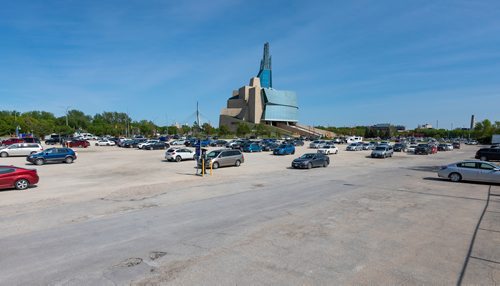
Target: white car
(144,144)
(411,148)
(328,149)
(178,142)
(105,142)
(179,154)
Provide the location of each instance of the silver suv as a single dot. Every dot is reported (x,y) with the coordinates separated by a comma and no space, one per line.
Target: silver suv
(223,157)
(21,149)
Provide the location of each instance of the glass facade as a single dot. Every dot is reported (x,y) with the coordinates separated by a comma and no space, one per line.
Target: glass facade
(280,105)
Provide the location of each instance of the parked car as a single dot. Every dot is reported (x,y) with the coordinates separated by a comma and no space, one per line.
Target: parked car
(78,143)
(423,149)
(218,143)
(298,142)
(141,145)
(179,154)
(178,142)
(471,142)
(328,149)
(105,142)
(18,178)
(156,146)
(479,171)
(252,147)
(400,147)
(355,147)
(31,140)
(223,158)
(368,146)
(20,149)
(456,145)
(52,141)
(310,160)
(284,149)
(11,141)
(442,147)
(50,155)
(270,146)
(382,151)
(316,143)
(411,148)
(486,154)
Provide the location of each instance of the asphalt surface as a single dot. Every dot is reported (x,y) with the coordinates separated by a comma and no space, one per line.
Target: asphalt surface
(358,221)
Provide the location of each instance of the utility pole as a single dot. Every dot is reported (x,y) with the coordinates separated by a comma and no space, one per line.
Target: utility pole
(67,108)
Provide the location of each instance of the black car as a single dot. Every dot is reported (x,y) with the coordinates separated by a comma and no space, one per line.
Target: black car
(488,154)
(309,160)
(157,146)
(52,141)
(218,143)
(133,143)
(456,145)
(423,149)
(269,146)
(400,147)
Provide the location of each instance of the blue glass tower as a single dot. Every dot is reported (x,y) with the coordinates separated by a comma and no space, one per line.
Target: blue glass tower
(265,75)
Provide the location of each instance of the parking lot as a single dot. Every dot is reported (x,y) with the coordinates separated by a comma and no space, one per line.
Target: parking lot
(124,215)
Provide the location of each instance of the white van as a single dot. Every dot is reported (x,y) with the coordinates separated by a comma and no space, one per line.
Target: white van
(354,139)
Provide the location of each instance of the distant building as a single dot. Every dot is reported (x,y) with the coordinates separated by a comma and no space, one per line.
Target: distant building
(425,126)
(259,102)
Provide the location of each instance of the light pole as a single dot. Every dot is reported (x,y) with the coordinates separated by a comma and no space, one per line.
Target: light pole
(67,109)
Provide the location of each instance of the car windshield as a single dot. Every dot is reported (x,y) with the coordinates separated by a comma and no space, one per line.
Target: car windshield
(380,148)
(213,154)
(307,156)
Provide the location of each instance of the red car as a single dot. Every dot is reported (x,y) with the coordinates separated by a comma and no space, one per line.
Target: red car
(78,143)
(11,141)
(15,177)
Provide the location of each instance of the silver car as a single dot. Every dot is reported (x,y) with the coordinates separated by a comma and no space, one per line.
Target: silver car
(382,151)
(21,149)
(223,157)
(479,171)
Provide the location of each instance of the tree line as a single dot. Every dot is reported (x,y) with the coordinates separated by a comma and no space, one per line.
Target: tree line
(482,131)
(41,123)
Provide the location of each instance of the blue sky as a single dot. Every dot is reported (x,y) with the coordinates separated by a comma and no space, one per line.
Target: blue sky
(350,62)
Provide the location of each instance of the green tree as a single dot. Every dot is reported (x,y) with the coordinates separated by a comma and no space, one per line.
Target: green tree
(243,129)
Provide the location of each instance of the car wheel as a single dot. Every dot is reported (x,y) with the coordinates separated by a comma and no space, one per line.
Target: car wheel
(293,152)
(39,162)
(237,163)
(215,165)
(325,164)
(483,158)
(96,144)
(336,152)
(455,177)
(178,159)
(309,165)
(68,160)
(4,154)
(21,184)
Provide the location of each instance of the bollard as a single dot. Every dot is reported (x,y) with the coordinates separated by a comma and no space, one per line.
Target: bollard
(202,167)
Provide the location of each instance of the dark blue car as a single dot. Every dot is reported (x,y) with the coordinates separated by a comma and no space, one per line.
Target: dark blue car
(58,155)
(284,149)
